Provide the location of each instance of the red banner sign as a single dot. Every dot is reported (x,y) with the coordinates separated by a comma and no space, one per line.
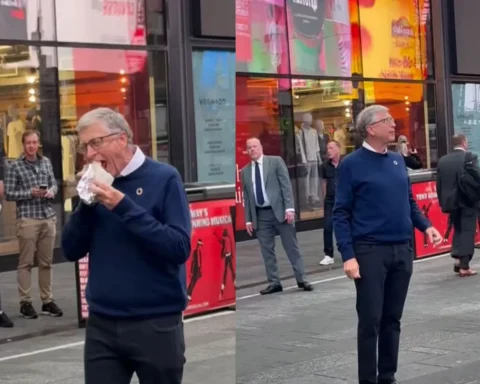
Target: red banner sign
(425,194)
(211,267)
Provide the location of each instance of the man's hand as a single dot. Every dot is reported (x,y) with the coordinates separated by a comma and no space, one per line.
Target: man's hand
(49,194)
(290,216)
(351,269)
(106,194)
(434,236)
(249,227)
(37,192)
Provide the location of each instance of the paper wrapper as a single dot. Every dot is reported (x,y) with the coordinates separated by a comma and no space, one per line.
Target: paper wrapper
(94,172)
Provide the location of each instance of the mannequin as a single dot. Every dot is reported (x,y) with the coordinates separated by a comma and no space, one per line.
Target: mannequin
(15,130)
(308,142)
(323,139)
(340,136)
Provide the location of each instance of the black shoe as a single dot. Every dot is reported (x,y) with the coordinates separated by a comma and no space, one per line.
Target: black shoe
(27,311)
(306,286)
(272,288)
(391,381)
(51,309)
(5,322)
(456,268)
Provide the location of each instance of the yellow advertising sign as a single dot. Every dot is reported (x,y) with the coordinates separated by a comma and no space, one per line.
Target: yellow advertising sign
(391,39)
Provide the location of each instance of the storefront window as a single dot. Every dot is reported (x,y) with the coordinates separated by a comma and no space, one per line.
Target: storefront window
(97,21)
(157,62)
(155,11)
(27,20)
(323,111)
(264,111)
(92,78)
(26,81)
(466,113)
(394,38)
(320,37)
(214,95)
(412,111)
(261,36)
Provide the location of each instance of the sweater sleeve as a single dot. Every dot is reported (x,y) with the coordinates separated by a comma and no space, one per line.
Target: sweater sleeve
(342,212)
(78,232)
(168,240)
(418,219)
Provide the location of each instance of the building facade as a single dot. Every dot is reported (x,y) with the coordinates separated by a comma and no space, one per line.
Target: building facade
(317,63)
(161,63)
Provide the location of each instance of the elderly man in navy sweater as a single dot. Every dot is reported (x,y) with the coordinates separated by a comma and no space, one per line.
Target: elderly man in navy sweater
(138,240)
(374,216)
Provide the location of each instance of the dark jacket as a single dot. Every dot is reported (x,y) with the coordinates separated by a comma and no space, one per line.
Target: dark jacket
(449,170)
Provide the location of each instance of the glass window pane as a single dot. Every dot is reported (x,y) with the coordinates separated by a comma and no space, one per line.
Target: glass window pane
(155,21)
(466,113)
(264,111)
(394,38)
(92,78)
(320,37)
(96,21)
(409,106)
(214,95)
(27,20)
(322,112)
(157,62)
(261,40)
(28,86)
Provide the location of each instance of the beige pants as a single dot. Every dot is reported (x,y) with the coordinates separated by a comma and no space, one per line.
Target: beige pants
(36,239)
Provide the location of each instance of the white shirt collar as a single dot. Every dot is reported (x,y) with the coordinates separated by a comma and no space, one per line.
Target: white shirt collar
(259,161)
(370,148)
(460,148)
(135,163)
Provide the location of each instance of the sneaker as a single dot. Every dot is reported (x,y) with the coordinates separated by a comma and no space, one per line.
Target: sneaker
(27,311)
(327,260)
(51,309)
(5,321)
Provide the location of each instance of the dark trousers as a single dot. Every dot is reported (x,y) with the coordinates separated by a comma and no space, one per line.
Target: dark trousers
(385,272)
(115,349)
(465,225)
(328,227)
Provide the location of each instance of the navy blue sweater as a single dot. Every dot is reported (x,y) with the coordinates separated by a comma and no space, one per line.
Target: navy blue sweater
(374,201)
(137,251)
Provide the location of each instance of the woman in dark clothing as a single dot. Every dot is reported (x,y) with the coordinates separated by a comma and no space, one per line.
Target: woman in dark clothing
(412,160)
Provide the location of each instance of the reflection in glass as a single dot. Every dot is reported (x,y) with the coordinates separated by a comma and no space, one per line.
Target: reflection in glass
(27,79)
(27,20)
(323,111)
(92,78)
(155,21)
(106,22)
(466,113)
(261,41)
(408,106)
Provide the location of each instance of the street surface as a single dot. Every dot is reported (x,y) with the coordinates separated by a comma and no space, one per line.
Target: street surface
(298,337)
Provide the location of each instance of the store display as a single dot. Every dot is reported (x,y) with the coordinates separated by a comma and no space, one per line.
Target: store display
(15,130)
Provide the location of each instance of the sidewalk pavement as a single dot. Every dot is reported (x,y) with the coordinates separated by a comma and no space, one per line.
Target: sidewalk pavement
(251,270)
(298,337)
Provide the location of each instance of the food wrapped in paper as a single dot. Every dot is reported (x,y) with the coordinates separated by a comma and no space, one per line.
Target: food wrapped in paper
(93,172)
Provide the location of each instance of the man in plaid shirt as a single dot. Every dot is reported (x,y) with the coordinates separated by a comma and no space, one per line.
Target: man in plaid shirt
(30,182)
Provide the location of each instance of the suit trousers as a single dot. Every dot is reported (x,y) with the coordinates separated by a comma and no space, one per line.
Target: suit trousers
(115,349)
(268,225)
(385,271)
(463,245)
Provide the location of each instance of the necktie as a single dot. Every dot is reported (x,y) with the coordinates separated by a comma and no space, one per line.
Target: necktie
(258,185)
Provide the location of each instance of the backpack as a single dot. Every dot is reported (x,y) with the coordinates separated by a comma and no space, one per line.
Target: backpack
(468,184)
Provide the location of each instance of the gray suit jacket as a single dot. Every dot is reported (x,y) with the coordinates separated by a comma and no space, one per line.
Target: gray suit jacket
(277,186)
(449,169)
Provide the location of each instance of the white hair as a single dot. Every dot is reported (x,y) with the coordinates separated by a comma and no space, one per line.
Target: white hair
(367,117)
(113,121)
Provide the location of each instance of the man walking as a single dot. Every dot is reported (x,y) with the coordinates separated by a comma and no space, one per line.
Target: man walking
(30,182)
(328,174)
(463,216)
(374,216)
(268,199)
(137,236)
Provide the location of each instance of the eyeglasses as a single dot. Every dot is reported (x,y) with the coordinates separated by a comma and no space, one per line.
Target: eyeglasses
(95,143)
(388,120)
